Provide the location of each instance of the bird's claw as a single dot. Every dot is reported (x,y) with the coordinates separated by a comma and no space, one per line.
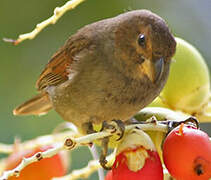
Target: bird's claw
(115,126)
(104,152)
(103,163)
(120,128)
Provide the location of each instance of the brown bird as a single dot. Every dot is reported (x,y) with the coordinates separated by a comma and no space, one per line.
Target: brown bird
(108,70)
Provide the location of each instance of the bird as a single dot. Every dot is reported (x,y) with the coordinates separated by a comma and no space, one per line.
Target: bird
(108,70)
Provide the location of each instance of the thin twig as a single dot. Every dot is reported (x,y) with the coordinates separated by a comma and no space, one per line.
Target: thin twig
(58,12)
(59,137)
(95,156)
(38,142)
(71,143)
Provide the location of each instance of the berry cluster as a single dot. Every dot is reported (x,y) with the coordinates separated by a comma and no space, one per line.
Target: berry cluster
(186,155)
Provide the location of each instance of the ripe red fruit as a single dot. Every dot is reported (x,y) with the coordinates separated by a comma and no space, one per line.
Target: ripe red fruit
(45,169)
(187,154)
(152,168)
(137,159)
(109,175)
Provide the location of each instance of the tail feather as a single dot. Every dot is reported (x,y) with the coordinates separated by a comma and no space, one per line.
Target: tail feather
(37,105)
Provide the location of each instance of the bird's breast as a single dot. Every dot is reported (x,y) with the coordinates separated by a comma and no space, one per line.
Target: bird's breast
(102,94)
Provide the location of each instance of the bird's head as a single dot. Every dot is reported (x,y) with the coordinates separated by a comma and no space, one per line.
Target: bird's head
(143,44)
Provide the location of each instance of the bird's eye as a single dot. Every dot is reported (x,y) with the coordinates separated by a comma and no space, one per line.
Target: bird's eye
(141,40)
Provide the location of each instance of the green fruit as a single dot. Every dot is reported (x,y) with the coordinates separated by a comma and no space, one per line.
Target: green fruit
(188,86)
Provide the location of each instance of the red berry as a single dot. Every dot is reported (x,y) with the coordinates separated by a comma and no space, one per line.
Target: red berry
(151,170)
(44,169)
(187,154)
(137,159)
(109,175)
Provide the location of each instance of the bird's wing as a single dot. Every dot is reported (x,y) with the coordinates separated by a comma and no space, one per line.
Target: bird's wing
(59,67)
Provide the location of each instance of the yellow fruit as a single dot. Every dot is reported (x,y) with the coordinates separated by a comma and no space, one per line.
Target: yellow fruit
(188,86)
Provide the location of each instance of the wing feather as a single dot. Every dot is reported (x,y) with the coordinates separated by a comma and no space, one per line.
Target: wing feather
(59,67)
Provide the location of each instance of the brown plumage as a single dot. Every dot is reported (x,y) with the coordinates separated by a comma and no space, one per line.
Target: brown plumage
(107,70)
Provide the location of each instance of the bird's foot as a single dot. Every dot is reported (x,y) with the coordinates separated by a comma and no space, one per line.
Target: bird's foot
(103,161)
(115,126)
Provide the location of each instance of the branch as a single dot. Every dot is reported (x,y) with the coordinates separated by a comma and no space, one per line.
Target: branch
(58,12)
(38,142)
(143,115)
(95,156)
(71,143)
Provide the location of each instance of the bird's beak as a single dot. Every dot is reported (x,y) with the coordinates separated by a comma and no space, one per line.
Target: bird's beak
(153,70)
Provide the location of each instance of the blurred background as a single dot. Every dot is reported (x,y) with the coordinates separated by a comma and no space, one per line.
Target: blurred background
(21,65)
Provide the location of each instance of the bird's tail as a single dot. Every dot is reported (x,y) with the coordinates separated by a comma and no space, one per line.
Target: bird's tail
(37,105)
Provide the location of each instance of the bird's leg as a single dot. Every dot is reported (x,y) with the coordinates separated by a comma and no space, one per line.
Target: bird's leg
(104,152)
(115,126)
